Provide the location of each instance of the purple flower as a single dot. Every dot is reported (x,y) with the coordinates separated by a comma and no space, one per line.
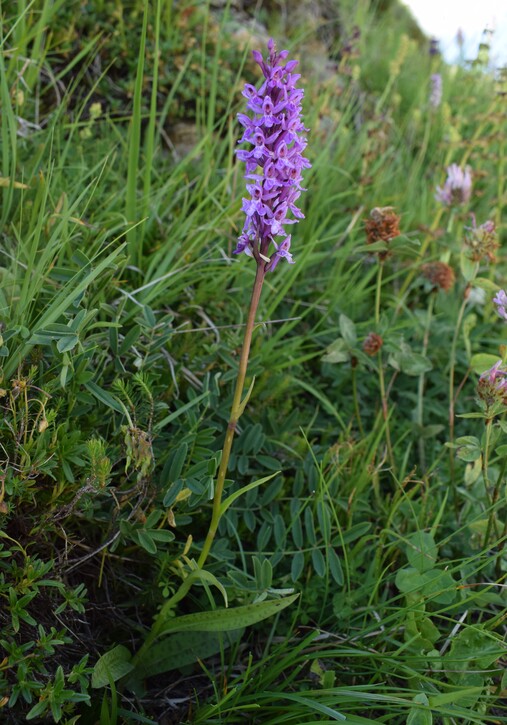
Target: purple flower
(500,301)
(457,188)
(481,241)
(492,385)
(275,162)
(435,90)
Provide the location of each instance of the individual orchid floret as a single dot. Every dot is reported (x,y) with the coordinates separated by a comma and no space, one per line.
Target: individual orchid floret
(481,241)
(435,90)
(500,300)
(274,163)
(457,188)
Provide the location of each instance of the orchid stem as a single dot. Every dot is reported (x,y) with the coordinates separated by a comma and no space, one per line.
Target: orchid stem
(236,411)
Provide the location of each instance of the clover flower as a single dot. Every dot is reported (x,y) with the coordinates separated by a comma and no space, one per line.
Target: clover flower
(274,165)
(492,385)
(372,344)
(457,188)
(482,241)
(435,90)
(500,301)
(440,274)
(382,226)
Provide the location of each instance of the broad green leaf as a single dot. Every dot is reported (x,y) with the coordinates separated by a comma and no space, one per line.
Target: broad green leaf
(483,361)
(420,715)
(421,551)
(181,649)
(224,620)
(113,665)
(348,330)
(337,352)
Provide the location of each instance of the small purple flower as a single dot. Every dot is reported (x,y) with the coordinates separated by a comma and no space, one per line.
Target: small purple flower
(481,241)
(500,301)
(492,385)
(435,90)
(275,163)
(434,48)
(457,188)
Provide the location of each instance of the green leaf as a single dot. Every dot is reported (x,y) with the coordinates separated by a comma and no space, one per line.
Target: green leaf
(224,620)
(348,330)
(104,397)
(230,499)
(298,562)
(112,666)
(182,649)
(337,352)
(483,361)
(146,541)
(65,344)
(421,551)
(335,567)
(469,268)
(420,715)
(318,562)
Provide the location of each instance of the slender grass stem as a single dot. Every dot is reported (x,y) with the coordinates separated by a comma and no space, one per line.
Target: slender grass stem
(420,387)
(382,385)
(452,368)
(356,401)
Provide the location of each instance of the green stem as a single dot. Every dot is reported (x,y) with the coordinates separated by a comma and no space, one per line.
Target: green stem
(356,400)
(236,410)
(420,387)
(382,386)
(452,357)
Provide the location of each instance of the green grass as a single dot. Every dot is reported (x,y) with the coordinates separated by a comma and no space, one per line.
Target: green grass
(122,309)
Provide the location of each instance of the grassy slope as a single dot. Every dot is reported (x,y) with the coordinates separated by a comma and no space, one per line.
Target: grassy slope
(120,346)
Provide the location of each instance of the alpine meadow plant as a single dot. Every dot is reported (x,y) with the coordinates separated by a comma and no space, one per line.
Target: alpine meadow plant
(275,131)
(457,188)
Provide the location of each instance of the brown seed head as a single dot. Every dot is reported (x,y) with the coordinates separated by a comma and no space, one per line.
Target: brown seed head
(382,226)
(439,274)
(372,344)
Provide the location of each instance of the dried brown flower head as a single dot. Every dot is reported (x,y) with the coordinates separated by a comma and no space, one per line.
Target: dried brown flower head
(372,344)
(439,274)
(382,226)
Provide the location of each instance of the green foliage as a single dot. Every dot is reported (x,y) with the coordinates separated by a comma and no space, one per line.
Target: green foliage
(372,483)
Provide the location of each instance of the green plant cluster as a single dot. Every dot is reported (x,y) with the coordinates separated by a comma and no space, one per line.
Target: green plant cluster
(359,566)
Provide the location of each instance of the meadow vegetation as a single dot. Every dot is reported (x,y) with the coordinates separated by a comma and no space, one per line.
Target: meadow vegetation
(358,573)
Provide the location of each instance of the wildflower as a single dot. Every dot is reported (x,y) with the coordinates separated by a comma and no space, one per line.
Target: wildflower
(382,226)
(482,241)
(457,188)
(434,48)
(500,301)
(435,90)
(492,385)
(275,162)
(372,344)
(440,275)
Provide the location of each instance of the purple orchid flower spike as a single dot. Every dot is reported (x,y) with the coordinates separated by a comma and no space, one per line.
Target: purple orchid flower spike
(274,164)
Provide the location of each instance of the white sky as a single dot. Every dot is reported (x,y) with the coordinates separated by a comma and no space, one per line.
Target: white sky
(442,18)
